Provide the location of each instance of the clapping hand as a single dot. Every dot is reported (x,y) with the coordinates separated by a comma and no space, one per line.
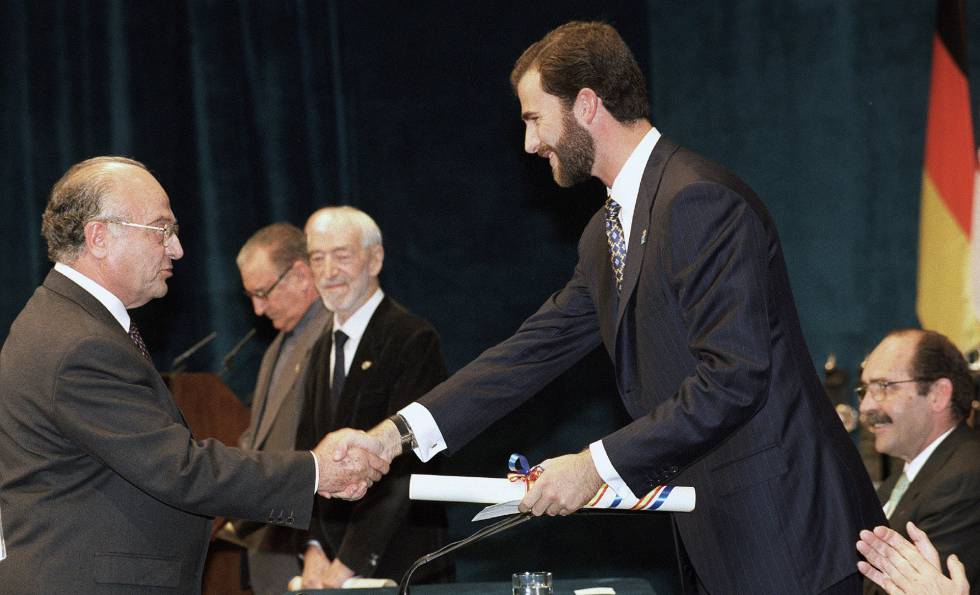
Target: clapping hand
(349,464)
(898,566)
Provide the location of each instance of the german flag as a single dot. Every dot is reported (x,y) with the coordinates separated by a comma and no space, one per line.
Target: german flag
(945,297)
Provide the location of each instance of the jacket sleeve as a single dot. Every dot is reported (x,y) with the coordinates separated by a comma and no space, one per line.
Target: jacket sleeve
(115,408)
(503,377)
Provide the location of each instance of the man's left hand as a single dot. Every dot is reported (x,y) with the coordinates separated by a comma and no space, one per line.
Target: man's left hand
(566,484)
(336,574)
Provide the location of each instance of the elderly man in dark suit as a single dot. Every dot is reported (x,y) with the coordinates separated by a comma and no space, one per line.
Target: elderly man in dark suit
(376,358)
(916,391)
(102,487)
(278,281)
(681,277)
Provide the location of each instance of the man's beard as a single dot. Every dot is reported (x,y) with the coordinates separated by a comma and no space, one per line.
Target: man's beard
(575,153)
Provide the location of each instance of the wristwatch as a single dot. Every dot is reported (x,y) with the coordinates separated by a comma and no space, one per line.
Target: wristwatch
(407,436)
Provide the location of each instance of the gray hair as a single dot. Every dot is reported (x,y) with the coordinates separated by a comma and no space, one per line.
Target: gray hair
(77,198)
(350,217)
(284,242)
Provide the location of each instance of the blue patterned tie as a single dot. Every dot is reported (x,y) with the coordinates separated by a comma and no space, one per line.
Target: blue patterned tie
(617,242)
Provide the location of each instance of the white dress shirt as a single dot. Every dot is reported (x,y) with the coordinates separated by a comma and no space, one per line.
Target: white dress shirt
(113,304)
(354,328)
(913,467)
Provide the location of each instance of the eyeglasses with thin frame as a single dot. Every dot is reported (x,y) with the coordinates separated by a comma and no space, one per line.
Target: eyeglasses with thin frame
(878,390)
(262,294)
(168,231)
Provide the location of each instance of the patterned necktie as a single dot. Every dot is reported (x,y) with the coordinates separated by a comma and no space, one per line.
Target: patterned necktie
(897,492)
(134,334)
(339,374)
(617,242)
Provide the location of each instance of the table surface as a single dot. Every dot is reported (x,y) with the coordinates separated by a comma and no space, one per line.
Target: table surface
(623,586)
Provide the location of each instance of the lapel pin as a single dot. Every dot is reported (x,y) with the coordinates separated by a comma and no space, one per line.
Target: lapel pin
(365,364)
(643,238)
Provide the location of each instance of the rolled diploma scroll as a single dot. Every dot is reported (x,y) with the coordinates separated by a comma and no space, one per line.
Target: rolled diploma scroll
(486,490)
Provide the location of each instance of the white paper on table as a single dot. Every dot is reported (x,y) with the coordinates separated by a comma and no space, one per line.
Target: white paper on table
(359,582)
(505,495)
(3,548)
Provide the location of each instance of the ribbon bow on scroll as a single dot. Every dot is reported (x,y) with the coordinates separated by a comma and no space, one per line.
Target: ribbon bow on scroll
(519,471)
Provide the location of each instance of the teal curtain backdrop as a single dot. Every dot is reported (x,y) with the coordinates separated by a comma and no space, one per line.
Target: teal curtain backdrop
(251,112)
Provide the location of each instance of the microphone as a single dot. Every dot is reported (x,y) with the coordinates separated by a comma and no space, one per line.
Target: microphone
(180,361)
(227,360)
(506,523)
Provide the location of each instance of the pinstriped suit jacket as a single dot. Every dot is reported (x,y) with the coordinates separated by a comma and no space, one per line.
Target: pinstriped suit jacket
(712,366)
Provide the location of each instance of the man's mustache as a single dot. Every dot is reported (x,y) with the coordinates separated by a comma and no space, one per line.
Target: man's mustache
(875,417)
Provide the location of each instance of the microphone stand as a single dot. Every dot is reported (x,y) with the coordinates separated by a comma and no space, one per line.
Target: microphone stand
(180,361)
(507,523)
(228,359)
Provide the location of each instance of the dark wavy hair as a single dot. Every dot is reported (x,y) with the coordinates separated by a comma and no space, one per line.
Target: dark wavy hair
(579,55)
(936,357)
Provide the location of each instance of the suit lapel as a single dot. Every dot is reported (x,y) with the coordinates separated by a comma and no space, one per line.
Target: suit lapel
(262,396)
(606,287)
(291,373)
(932,466)
(364,363)
(64,286)
(649,186)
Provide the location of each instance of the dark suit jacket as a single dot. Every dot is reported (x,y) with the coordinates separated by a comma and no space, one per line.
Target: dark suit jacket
(711,364)
(944,501)
(102,487)
(397,360)
(275,417)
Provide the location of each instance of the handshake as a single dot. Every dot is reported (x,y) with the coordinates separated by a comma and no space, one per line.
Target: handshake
(350,461)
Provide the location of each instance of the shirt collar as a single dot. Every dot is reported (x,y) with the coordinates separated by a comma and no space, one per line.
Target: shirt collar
(113,304)
(626,186)
(355,325)
(913,467)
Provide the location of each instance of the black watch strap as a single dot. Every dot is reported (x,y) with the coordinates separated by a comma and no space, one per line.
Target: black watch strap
(407,436)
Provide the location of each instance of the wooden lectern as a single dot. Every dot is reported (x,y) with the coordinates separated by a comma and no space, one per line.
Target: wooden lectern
(212,411)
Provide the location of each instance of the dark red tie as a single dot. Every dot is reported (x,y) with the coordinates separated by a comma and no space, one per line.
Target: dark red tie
(134,334)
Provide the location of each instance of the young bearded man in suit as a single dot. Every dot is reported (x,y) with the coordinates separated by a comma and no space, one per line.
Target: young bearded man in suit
(681,277)
(103,488)
(376,358)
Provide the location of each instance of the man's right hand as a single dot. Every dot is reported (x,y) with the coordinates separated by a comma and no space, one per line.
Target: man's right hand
(349,463)
(901,567)
(391,441)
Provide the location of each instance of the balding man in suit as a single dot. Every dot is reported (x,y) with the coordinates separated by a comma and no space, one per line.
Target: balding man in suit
(102,486)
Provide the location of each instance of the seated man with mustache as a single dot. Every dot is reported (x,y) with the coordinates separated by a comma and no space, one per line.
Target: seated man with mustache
(916,390)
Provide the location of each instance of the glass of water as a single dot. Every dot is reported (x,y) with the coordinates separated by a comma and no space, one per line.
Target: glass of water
(532,583)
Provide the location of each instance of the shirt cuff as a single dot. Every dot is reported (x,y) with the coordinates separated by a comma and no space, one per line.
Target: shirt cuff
(427,435)
(609,474)
(316,465)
